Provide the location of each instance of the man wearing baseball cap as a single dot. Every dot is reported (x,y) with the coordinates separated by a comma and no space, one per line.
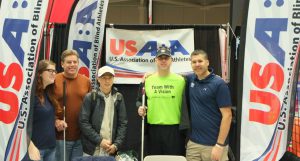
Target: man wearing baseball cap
(103,119)
(166,109)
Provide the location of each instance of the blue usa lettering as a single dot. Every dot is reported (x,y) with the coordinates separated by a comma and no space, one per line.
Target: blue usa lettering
(85,15)
(270,41)
(82,47)
(12,34)
(151,47)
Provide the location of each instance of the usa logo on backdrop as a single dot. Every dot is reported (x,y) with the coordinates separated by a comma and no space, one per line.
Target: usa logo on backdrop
(21,23)
(131,55)
(272,36)
(86,34)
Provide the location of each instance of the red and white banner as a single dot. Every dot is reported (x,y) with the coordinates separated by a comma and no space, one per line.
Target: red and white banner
(223,54)
(21,24)
(132,53)
(86,35)
(272,36)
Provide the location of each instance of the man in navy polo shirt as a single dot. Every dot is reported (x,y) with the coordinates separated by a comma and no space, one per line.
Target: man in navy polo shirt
(210,105)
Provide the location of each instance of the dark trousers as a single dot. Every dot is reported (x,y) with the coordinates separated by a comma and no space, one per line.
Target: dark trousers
(165,140)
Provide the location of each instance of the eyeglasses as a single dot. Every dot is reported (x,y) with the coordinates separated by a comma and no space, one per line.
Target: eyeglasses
(51,71)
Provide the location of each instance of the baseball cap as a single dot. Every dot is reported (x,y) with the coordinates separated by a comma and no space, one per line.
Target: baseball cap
(163,50)
(105,69)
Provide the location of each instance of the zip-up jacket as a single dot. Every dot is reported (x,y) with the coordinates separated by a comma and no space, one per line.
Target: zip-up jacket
(90,121)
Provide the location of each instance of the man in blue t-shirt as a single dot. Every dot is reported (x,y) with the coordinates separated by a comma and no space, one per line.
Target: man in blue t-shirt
(210,108)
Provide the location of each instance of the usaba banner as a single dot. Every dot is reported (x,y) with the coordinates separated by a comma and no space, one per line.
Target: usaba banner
(270,58)
(132,53)
(21,23)
(86,34)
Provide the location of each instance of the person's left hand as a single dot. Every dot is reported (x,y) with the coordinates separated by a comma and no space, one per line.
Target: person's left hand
(112,149)
(217,152)
(105,144)
(60,125)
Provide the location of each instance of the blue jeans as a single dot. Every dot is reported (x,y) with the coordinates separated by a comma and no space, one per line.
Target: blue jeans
(46,155)
(73,150)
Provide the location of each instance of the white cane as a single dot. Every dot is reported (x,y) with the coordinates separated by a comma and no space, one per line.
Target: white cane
(64,104)
(143,125)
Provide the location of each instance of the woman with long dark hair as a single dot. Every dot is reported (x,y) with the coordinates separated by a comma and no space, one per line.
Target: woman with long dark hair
(43,139)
